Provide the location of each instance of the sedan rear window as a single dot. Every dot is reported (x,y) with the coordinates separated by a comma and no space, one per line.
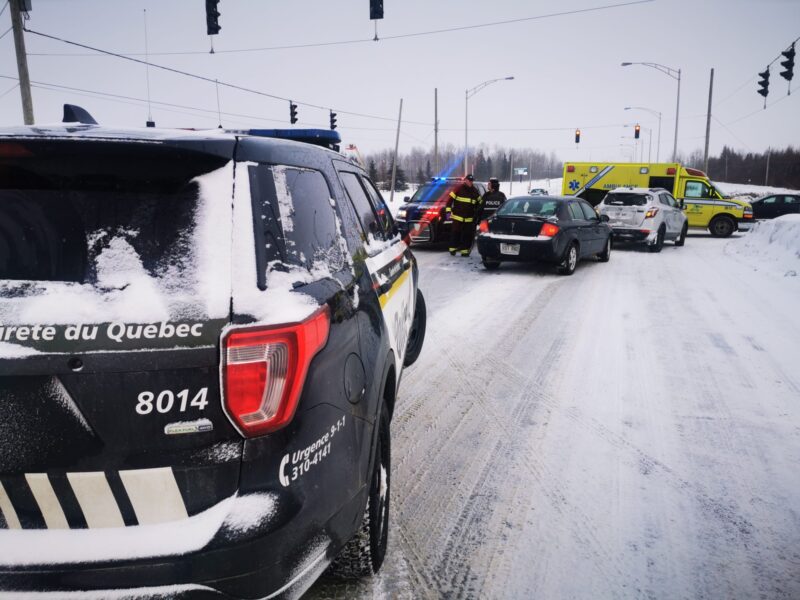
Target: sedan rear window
(622,199)
(529,206)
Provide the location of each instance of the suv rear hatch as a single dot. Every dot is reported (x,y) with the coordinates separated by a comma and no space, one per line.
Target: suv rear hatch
(115,259)
(625,210)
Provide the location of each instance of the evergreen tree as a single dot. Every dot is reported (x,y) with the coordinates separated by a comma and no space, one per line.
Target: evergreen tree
(420,177)
(428,171)
(372,171)
(400,183)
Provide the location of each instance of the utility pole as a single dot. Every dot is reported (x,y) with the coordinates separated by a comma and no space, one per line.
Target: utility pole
(396,145)
(22,61)
(766,175)
(708,121)
(436,130)
(511,172)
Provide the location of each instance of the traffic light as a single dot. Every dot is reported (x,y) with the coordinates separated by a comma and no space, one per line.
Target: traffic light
(577,136)
(788,64)
(292,112)
(375,9)
(636,131)
(333,120)
(764,83)
(212,17)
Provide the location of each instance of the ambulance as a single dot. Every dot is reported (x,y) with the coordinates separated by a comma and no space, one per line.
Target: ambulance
(705,206)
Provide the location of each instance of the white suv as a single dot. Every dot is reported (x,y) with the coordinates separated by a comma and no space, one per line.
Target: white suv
(644,215)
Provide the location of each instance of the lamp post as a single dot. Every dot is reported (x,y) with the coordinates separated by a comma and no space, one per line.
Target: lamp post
(467,95)
(675,74)
(658,114)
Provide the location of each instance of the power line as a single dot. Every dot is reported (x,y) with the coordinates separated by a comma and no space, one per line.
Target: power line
(9,90)
(388,37)
(222,83)
(5,33)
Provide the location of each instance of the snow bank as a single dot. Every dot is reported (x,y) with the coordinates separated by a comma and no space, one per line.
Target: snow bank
(746,190)
(772,245)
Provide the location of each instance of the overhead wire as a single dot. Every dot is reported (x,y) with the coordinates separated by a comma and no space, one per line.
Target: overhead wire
(222,83)
(387,37)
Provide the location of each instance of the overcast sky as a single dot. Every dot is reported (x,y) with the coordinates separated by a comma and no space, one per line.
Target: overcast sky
(567,69)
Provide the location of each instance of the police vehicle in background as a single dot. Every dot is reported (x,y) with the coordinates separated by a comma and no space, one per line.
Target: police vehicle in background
(203,334)
(424,216)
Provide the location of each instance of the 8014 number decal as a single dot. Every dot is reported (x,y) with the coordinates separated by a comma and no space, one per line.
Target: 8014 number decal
(167,400)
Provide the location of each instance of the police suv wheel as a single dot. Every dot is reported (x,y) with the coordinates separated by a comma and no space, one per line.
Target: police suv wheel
(416,336)
(363,555)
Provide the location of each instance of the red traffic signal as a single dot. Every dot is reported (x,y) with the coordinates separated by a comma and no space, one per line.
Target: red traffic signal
(636,131)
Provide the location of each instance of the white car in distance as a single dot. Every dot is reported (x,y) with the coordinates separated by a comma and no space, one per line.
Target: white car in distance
(645,215)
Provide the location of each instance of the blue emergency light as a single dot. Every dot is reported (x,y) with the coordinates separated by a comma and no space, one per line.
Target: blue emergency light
(319,137)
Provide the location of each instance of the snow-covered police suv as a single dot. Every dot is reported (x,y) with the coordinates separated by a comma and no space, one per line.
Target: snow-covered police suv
(201,340)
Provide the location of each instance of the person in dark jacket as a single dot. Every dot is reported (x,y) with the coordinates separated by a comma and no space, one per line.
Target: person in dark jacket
(464,206)
(492,200)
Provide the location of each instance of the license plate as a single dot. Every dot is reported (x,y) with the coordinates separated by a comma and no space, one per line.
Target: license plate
(509,249)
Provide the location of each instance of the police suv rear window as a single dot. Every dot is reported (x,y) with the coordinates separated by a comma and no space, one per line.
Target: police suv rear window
(295,222)
(622,199)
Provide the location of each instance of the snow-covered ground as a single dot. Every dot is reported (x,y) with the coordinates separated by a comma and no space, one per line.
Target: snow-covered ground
(632,431)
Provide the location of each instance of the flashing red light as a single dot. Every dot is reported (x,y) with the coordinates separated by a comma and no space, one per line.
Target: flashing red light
(570,168)
(265,368)
(484,226)
(671,171)
(432,213)
(549,229)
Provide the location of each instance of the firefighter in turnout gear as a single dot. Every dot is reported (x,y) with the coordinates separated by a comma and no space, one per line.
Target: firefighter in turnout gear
(464,206)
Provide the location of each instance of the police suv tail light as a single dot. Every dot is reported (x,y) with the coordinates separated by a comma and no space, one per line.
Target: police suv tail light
(484,226)
(549,230)
(651,213)
(264,370)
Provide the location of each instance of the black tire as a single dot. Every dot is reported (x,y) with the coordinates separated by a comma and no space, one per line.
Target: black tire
(491,265)
(605,255)
(363,555)
(416,336)
(570,260)
(722,226)
(659,244)
(682,237)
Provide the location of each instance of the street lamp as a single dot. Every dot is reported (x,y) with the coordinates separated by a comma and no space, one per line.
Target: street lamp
(658,114)
(675,74)
(467,95)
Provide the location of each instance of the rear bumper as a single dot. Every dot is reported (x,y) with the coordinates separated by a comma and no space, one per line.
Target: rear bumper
(268,558)
(425,231)
(622,234)
(545,250)
(744,224)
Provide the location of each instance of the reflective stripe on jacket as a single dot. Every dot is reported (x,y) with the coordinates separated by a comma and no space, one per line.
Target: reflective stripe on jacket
(465,203)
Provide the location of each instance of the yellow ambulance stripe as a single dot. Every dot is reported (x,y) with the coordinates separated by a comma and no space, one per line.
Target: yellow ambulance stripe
(396,286)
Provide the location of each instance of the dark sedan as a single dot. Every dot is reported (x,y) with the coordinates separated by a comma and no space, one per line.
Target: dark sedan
(555,229)
(776,205)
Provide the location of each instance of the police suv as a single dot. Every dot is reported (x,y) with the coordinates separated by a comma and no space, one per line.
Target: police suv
(201,340)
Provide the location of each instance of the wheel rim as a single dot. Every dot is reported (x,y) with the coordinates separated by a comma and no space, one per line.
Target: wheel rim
(572,259)
(721,227)
(608,246)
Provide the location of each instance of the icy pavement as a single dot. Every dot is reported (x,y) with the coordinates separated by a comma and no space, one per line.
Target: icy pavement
(632,431)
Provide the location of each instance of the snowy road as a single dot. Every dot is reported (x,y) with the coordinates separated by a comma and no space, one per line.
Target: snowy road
(632,431)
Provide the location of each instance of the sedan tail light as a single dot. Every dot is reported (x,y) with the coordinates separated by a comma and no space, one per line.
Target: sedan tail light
(651,213)
(549,230)
(484,226)
(264,370)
